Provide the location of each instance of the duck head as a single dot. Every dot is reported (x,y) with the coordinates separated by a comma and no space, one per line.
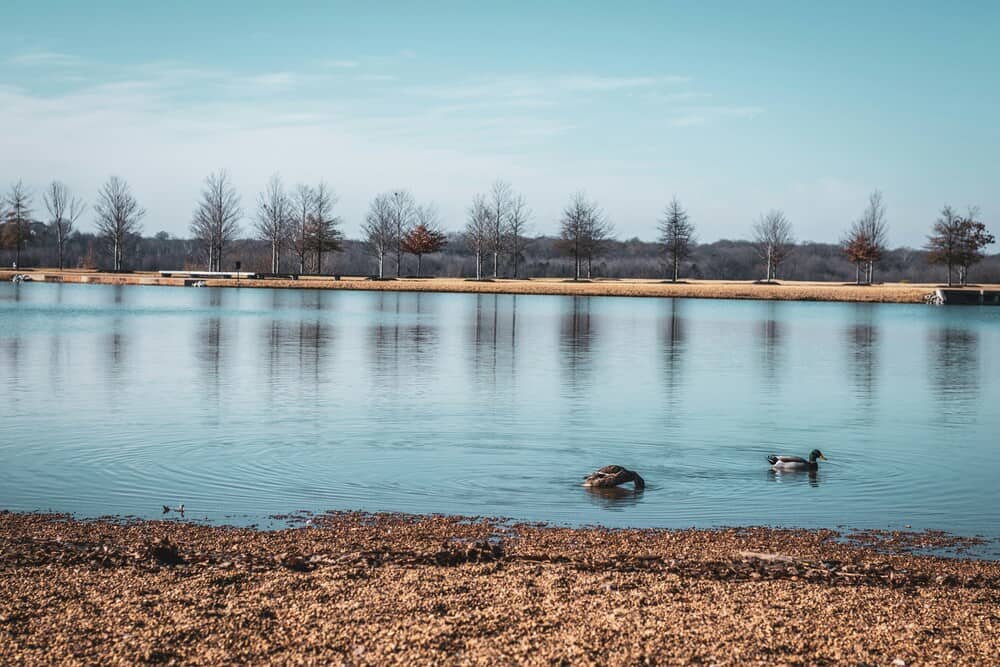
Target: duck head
(816,454)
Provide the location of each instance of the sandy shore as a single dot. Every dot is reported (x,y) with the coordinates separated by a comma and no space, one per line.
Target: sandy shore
(381,589)
(709,289)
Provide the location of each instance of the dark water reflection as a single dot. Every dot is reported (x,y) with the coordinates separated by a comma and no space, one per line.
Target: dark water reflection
(769,335)
(245,403)
(577,335)
(954,371)
(617,498)
(810,477)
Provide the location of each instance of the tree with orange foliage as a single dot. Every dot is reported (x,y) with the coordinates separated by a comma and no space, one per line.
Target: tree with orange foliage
(425,238)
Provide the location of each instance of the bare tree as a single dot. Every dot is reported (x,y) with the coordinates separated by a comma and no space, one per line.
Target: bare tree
(64,210)
(598,232)
(957,242)
(379,229)
(773,241)
(303,203)
(273,212)
(427,236)
(325,234)
(18,227)
(119,218)
(477,231)
(216,221)
(944,242)
(866,240)
(500,201)
(583,230)
(403,211)
(973,237)
(676,235)
(517,227)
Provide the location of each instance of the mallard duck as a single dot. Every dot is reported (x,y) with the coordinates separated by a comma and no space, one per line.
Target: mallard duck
(610,476)
(796,462)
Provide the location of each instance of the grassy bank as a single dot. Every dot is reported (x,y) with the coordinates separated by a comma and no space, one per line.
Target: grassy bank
(364,589)
(708,289)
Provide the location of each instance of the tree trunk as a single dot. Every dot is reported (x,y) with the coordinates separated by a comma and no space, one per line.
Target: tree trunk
(496,263)
(419,256)
(381,263)
(274,256)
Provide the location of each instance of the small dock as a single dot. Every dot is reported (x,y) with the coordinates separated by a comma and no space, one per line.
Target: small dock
(968,297)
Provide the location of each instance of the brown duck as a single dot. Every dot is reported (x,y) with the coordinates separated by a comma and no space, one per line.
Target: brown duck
(610,476)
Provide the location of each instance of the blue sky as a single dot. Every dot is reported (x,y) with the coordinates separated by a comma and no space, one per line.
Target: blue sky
(737,108)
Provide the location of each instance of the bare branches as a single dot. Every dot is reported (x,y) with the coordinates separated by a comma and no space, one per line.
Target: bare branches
(865,241)
(274,210)
(958,241)
(324,229)
(676,235)
(404,211)
(302,202)
(584,228)
(478,228)
(119,218)
(216,220)
(379,229)
(500,199)
(773,241)
(64,210)
(518,218)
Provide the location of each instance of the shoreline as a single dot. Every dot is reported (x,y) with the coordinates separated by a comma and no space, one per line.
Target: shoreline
(627,287)
(354,588)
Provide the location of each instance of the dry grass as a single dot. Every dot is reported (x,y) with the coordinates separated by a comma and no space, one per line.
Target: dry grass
(708,289)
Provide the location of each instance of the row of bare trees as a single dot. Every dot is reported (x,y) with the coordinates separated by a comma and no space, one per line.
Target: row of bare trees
(497,224)
(117,217)
(301,223)
(395,224)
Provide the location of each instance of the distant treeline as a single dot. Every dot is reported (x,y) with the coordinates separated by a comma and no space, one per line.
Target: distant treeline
(540,257)
(296,231)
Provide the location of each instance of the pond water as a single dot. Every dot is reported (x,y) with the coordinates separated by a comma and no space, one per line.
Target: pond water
(245,403)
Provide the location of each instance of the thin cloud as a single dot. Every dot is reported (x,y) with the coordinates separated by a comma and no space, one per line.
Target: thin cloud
(272,80)
(45,59)
(610,83)
(694,116)
(376,77)
(341,64)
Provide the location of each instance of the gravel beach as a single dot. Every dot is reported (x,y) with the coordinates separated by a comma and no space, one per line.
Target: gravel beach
(350,588)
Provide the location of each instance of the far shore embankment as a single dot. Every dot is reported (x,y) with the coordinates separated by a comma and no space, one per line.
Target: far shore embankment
(632,287)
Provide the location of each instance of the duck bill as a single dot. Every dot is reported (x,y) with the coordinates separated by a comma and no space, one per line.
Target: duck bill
(823,457)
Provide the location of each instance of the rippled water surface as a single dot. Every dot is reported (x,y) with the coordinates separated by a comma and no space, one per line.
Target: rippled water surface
(247,403)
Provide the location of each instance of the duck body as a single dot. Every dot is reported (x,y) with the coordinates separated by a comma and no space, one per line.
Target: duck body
(611,476)
(796,462)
